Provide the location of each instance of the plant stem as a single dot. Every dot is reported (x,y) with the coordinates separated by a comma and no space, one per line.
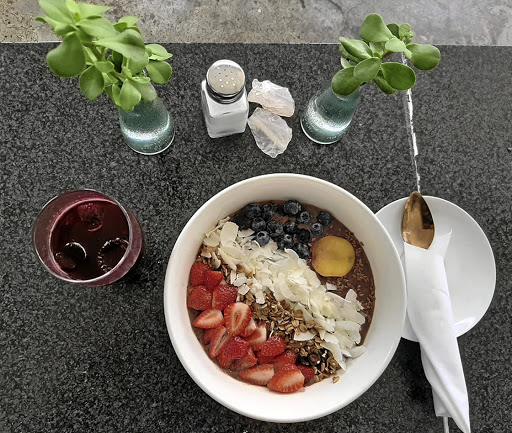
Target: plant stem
(96,53)
(118,75)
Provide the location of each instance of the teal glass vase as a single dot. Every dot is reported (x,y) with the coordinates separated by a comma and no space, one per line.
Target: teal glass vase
(149,128)
(327,115)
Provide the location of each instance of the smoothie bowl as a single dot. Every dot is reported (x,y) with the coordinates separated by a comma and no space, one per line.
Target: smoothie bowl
(284,298)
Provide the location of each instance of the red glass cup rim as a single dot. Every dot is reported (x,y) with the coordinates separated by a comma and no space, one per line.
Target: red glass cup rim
(98,279)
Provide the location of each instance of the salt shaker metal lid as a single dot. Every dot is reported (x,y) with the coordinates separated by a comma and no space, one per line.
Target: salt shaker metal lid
(225,80)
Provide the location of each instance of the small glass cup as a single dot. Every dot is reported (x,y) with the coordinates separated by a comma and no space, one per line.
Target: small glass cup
(149,128)
(327,116)
(51,216)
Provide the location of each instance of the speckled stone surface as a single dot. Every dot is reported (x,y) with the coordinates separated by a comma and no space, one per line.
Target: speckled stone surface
(80,359)
(470,22)
(462,118)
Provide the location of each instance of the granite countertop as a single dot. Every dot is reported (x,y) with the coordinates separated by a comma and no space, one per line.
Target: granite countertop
(100,360)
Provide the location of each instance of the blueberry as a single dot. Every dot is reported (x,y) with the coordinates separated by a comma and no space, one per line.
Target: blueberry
(262,238)
(274,228)
(267,211)
(252,210)
(317,229)
(280,211)
(285,241)
(292,207)
(291,227)
(302,251)
(258,224)
(303,236)
(324,218)
(241,221)
(304,217)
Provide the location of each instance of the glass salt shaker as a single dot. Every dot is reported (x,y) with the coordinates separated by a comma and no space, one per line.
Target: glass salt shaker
(224,99)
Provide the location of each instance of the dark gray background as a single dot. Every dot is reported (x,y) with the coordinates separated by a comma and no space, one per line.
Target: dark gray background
(82,359)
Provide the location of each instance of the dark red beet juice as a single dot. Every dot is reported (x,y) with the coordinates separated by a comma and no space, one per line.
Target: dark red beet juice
(84,237)
(90,239)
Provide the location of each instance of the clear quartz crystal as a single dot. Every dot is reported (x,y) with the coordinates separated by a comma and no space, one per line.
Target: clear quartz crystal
(274,98)
(270,131)
(224,99)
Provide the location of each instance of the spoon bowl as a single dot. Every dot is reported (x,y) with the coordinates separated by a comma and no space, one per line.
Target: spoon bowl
(417,222)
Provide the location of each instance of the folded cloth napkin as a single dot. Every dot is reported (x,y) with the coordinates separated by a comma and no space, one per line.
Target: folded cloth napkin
(430,313)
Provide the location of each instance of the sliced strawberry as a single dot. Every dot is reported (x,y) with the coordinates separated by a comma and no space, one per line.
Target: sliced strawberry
(200,298)
(288,357)
(224,295)
(209,319)
(289,367)
(258,375)
(197,273)
(307,371)
(219,339)
(258,337)
(249,329)
(274,346)
(287,379)
(208,334)
(235,348)
(224,360)
(248,361)
(212,279)
(238,316)
(265,359)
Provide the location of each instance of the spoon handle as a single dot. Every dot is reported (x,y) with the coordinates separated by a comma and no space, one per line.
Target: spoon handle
(445,423)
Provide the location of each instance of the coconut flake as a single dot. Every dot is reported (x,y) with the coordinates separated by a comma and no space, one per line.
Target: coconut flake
(305,313)
(357,351)
(343,364)
(351,296)
(330,286)
(210,242)
(245,233)
(330,338)
(355,336)
(211,230)
(347,325)
(303,336)
(335,350)
(229,233)
(344,340)
(244,289)
(354,316)
(233,251)
(260,297)
(240,279)
(216,261)
(337,299)
(226,259)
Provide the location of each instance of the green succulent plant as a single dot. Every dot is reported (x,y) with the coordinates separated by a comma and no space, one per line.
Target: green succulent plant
(110,57)
(363,60)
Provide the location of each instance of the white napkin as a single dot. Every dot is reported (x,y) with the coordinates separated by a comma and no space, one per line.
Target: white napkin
(430,313)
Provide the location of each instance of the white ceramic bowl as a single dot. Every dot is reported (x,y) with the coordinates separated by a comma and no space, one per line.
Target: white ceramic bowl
(382,340)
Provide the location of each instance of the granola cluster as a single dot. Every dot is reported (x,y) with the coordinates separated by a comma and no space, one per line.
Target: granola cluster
(283,321)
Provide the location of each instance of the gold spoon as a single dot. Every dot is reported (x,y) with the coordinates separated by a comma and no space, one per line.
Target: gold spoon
(417,222)
(418,230)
